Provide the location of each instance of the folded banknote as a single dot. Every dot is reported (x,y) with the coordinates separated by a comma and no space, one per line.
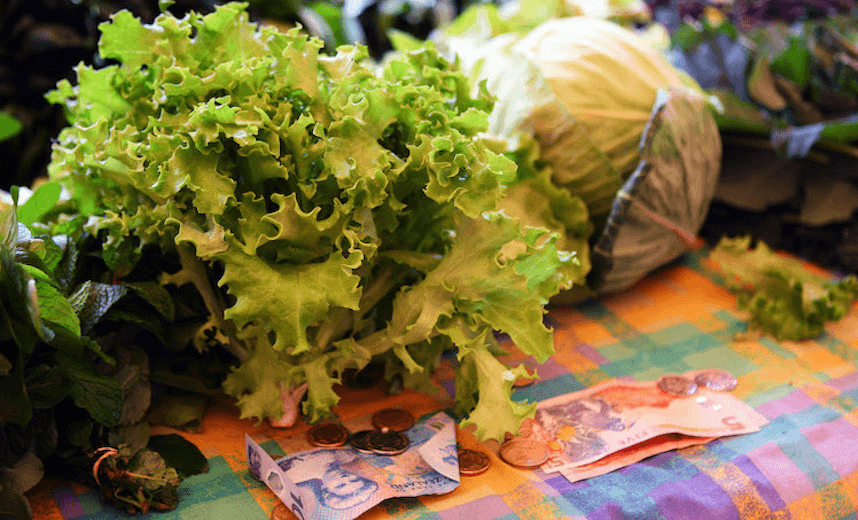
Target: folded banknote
(632,454)
(583,427)
(341,483)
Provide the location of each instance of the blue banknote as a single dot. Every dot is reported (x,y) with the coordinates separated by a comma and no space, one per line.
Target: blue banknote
(341,483)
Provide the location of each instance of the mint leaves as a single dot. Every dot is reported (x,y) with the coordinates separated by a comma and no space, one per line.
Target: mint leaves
(326,210)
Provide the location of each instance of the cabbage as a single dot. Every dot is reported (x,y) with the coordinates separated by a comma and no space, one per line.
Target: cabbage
(582,91)
(606,79)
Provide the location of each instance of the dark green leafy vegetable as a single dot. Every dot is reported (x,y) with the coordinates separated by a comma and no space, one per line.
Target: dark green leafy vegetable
(135,482)
(179,453)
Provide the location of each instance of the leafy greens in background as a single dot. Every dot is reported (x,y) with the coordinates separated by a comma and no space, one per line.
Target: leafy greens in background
(782,296)
(326,211)
(794,83)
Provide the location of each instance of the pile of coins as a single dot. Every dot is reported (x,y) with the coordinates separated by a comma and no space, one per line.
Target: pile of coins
(386,439)
(713,379)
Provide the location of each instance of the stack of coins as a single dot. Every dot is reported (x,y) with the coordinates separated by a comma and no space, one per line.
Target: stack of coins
(387,438)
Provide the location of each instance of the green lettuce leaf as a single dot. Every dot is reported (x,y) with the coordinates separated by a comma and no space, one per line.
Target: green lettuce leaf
(783,297)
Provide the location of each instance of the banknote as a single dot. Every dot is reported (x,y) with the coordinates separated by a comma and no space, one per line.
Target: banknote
(342,483)
(632,454)
(583,427)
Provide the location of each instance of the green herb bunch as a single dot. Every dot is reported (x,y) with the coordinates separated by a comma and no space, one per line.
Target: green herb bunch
(328,212)
(74,356)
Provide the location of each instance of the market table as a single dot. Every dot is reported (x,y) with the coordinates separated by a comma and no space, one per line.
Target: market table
(803,464)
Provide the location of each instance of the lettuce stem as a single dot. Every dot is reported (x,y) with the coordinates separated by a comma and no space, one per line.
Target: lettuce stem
(212,300)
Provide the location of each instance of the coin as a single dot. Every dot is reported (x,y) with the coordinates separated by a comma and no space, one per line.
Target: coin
(677,384)
(328,434)
(281,512)
(392,419)
(715,379)
(523,453)
(360,441)
(388,443)
(472,462)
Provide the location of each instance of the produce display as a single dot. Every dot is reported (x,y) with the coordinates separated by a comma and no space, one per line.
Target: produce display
(236,206)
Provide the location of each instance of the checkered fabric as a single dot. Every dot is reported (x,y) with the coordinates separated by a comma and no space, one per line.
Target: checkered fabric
(803,464)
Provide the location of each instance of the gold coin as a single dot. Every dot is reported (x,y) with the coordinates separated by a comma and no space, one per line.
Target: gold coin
(328,434)
(472,462)
(281,512)
(388,443)
(523,453)
(392,419)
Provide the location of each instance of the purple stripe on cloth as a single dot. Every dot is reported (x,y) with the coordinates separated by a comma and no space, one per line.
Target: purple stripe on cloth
(450,387)
(592,354)
(792,403)
(761,482)
(608,511)
(785,477)
(67,501)
(845,383)
(491,506)
(548,370)
(837,441)
(560,484)
(686,499)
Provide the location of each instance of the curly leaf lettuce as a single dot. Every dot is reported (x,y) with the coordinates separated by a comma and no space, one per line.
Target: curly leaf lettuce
(782,296)
(327,211)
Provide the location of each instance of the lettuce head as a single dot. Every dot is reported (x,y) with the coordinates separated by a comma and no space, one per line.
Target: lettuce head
(328,211)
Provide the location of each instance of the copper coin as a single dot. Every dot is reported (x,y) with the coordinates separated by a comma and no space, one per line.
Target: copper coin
(472,462)
(328,434)
(388,443)
(392,419)
(281,512)
(360,441)
(715,379)
(523,453)
(677,385)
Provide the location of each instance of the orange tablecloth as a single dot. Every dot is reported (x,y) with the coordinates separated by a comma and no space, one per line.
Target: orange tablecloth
(804,464)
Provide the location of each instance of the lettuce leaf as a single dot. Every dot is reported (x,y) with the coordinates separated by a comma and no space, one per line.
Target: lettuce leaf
(783,298)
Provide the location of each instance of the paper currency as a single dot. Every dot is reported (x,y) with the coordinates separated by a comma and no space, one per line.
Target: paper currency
(583,427)
(341,483)
(632,454)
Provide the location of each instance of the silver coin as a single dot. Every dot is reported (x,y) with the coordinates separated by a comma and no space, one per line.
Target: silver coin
(677,384)
(715,379)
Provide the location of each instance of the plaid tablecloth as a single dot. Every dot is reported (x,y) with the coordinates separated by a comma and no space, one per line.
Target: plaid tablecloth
(803,464)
